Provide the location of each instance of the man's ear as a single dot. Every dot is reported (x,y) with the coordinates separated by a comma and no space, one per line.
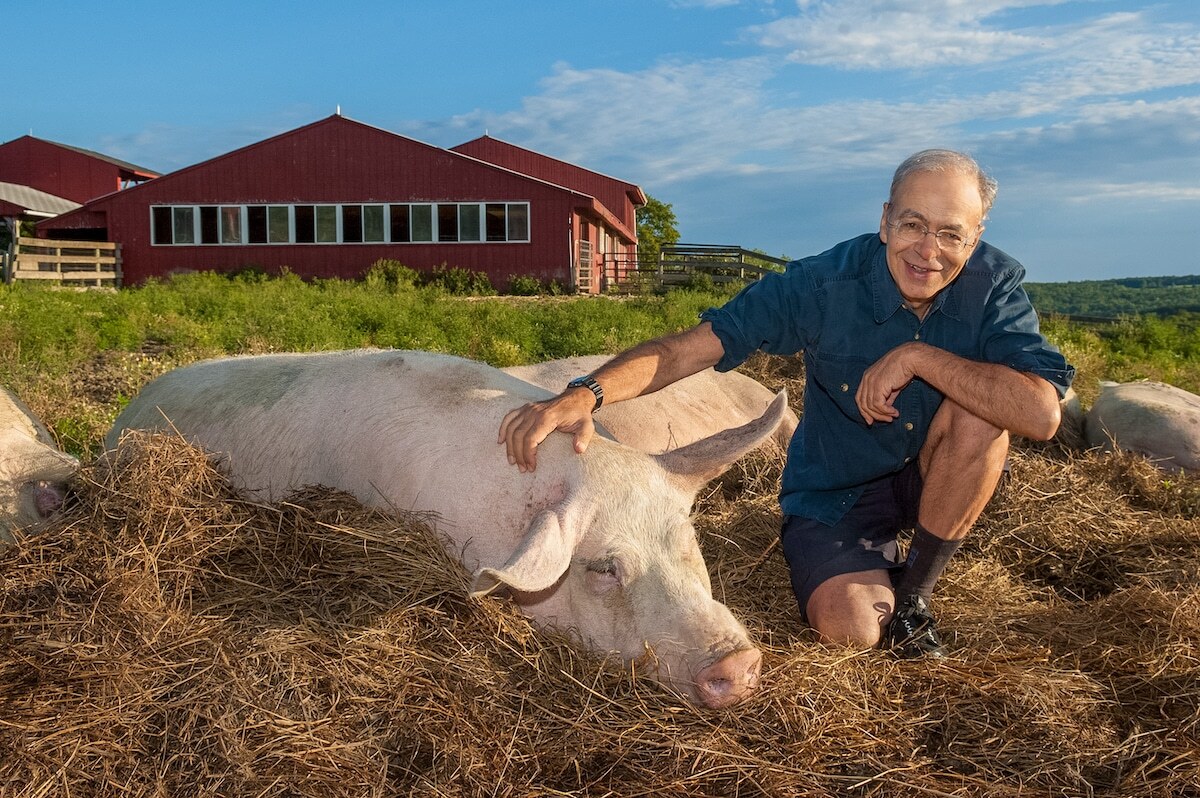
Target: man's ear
(978,236)
(883,228)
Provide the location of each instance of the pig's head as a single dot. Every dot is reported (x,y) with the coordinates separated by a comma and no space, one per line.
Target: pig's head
(32,480)
(618,562)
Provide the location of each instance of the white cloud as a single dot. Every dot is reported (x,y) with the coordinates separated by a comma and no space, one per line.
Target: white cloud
(1159,192)
(904,34)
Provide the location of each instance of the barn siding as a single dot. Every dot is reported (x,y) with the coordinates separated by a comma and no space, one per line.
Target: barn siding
(57,170)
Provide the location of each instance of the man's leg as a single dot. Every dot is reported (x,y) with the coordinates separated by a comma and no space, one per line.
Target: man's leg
(851,609)
(961,462)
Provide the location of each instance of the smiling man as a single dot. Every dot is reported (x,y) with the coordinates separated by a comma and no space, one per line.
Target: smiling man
(922,354)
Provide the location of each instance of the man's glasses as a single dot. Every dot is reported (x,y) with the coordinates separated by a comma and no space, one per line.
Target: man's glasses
(948,241)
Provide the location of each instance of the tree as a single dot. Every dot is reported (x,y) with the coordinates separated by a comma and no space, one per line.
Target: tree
(656,227)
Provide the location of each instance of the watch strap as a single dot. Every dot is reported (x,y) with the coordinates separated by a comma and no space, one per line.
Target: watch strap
(588,382)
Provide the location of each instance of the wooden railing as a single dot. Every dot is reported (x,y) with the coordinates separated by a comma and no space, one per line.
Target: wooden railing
(682,264)
(95,263)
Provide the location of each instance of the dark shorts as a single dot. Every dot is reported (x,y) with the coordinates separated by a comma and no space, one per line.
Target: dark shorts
(863,540)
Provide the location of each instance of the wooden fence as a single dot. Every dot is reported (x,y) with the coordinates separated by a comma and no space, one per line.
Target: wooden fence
(77,263)
(681,264)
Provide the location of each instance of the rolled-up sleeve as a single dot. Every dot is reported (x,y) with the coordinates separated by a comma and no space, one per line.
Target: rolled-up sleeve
(1011,335)
(770,315)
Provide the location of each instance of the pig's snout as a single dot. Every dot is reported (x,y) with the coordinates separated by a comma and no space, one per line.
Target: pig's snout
(47,498)
(730,679)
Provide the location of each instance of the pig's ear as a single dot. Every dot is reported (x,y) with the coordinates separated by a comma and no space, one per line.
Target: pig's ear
(33,461)
(691,466)
(539,562)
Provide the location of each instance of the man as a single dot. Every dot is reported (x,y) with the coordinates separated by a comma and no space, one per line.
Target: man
(922,355)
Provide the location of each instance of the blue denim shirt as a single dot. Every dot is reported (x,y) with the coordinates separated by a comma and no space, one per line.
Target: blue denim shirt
(842,309)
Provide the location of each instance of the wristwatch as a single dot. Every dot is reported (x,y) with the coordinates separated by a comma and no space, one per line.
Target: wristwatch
(586,381)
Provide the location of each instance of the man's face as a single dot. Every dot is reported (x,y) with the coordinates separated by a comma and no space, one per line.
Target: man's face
(941,202)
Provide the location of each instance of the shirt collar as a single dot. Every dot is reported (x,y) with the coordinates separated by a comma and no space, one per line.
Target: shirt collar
(887,299)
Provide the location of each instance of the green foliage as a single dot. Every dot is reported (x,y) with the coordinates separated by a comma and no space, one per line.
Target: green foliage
(524,285)
(459,281)
(1162,296)
(656,226)
(391,276)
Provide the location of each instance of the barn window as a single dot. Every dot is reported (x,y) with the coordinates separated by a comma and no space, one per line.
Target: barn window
(160,224)
(421,222)
(210,224)
(468,222)
(277,224)
(352,226)
(518,221)
(256,224)
(497,229)
(447,222)
(231,224)
(184,225)
(306,226)
(373,223)
(400,227)
(327,224)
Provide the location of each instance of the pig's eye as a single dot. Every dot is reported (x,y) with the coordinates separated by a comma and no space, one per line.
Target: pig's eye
(605,566)
(605,572)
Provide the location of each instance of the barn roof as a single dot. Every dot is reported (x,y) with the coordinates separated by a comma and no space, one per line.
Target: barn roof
(27,200)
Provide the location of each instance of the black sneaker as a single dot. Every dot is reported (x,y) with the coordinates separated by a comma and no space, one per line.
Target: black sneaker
(912,632)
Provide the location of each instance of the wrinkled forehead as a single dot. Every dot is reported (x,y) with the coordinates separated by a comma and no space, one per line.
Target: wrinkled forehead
(944,197)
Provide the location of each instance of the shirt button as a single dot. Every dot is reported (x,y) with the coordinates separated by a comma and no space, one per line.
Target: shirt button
(917,336)
(908,459)
(845,387)
(908,426)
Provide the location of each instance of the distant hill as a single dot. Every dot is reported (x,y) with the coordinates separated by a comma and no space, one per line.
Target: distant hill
(1143,296)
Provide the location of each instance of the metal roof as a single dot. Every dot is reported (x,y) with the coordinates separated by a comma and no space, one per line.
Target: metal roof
(34,201)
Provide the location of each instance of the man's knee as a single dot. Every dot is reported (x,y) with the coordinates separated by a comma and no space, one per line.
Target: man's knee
(953,422)
(851,609)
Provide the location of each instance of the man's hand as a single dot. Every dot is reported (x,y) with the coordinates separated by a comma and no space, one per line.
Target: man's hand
(524,428)
(882,383)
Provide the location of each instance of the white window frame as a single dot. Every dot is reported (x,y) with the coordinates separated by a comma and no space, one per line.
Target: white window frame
(432,205)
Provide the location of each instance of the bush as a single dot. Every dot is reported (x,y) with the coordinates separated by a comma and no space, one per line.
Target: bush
(390,275)
(524,285)
(459,281)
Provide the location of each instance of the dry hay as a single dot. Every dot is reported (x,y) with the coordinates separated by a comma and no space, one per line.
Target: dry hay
(169,638)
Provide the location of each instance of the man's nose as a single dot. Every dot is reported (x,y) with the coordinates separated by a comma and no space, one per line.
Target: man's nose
(928,246)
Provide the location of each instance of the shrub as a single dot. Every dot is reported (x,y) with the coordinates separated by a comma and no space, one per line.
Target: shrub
(459,281)
(524,285)
(390,275)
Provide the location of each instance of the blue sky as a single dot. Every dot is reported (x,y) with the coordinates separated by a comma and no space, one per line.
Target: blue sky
(773,125)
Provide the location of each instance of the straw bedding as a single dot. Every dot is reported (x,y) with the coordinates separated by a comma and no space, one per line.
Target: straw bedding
(166,637)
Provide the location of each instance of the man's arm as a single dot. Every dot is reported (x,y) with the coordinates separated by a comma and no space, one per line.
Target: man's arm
(1013,400)
(643,369)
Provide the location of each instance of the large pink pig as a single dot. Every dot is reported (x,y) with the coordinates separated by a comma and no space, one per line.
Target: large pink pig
(599,543)
(681,413)
(1152,418)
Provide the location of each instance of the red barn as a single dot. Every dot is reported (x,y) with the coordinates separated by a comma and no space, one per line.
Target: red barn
(332,197)
(63,171)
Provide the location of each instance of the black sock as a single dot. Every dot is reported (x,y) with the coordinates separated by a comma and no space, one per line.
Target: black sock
(927,558)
